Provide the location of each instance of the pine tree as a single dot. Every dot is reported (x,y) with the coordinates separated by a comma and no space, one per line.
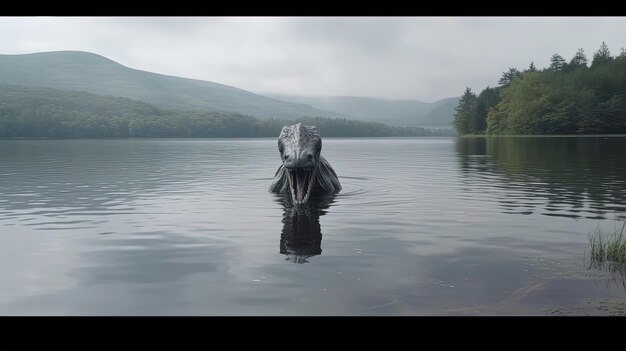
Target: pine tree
(464,111)
(531,67)
(602,56)
(487,98)
(557,63)
(508,76)
(579,60)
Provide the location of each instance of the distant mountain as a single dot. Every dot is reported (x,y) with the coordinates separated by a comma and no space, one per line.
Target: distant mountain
(442,112)
(392,112)
(83,71)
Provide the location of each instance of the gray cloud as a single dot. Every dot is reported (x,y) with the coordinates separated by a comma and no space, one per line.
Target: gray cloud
(415,58)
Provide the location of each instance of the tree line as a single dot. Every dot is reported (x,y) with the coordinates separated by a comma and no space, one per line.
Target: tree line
(27,112)
(564,98)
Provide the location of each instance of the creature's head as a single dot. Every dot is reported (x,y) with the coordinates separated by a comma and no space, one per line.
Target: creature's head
(300,148)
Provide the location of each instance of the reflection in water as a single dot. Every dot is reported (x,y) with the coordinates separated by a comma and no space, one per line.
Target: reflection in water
(301,236)
(155,227)
(562,177)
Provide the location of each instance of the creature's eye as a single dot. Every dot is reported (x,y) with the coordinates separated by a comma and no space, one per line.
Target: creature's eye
(285,156)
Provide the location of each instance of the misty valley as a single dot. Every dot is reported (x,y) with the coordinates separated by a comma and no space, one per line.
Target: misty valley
(341,166)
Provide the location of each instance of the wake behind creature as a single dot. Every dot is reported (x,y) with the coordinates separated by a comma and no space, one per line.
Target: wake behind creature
(304,171)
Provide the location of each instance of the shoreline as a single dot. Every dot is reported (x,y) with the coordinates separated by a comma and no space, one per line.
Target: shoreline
(544,136)
(350,137)
(229,138)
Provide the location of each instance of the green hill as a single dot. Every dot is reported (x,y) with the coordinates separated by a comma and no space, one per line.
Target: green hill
(32,112)
(75,70)
(389,111)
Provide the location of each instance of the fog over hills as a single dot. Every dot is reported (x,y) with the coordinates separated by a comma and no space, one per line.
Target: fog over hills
(392,112)
(92,73)
(83,71)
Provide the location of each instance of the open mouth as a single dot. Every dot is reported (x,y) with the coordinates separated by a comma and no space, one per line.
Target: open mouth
(300,183)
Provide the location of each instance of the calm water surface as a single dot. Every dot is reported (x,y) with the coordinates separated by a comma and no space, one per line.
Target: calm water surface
(424,226)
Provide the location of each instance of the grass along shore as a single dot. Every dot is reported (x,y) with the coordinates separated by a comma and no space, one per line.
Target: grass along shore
(608,249)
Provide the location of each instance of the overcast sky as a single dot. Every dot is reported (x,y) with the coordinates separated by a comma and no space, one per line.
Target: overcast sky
(421,58)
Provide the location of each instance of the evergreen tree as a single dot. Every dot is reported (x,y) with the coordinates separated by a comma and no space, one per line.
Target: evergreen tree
(602,56)
(557,63)
(531,67)
(464,110)
(579,60)
(508,76)
(487,99)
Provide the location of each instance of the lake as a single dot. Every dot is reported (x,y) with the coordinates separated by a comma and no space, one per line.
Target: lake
(423,226)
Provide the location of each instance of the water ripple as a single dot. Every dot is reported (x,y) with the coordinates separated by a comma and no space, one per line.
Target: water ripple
(190,222)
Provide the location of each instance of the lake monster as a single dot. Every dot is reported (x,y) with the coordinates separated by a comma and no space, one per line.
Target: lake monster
(304,171)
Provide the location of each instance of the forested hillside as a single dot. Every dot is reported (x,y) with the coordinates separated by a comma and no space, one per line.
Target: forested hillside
(27,112)
(565,98)
(84,71)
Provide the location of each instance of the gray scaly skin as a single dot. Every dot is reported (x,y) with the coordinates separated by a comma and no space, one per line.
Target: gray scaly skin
(304,171)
